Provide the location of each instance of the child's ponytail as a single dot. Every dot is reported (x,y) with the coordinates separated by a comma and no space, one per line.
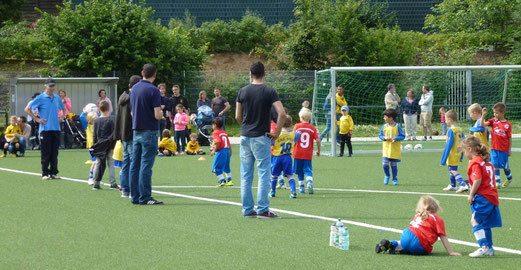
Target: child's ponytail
(482,151)
(427,205)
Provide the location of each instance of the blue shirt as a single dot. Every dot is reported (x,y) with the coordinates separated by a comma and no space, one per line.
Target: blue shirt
(144,97)
(48,109)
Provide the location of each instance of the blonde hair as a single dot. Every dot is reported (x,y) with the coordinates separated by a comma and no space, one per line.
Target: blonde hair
(427,205)
(442,109)
(476,145)
(180,106)
(500,107)
(452,115)
(91,116)
(201,93)
(161,85)
(305,114)
(305,104)
(474,108)
(13,117)
(193,135)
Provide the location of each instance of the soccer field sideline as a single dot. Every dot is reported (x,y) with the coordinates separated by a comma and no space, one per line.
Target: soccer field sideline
(361,224)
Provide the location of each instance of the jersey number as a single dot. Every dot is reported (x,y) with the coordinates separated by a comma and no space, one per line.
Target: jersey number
(416,222)
(304,140)
(286,148)
(225,141)
(490,172)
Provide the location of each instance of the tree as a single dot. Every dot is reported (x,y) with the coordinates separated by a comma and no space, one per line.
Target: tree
(10,10)
(101,36)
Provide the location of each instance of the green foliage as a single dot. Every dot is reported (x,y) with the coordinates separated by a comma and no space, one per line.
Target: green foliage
(376,14)
(10,10)
(101,36)
(20,41)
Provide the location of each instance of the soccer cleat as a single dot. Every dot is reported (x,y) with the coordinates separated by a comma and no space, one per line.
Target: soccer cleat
(506,183)
(221,184)
(251,215)
(383,246)
(281,185)
(293,195)
(114,187)
(272,194)
(450,188)
(395,182)
(2,156)
(88,162)
(96,187)
(54,176)
(160,155)
(229,184)
(301,189)
(310,188)
(386,180)
(482,252)
(152,202)
(268,215)
(90,182)
(46,177)
(462,189)
(499,185)
(14,155)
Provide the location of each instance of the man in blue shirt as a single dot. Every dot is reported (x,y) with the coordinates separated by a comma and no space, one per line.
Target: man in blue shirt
(48,104)
(145,103)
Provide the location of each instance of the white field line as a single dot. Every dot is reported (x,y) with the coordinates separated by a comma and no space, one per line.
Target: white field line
(360,224)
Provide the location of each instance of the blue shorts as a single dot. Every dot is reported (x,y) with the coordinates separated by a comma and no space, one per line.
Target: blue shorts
(91,157)
(499,159)
(118,163)
(386,159)
(221,161)
(485,213)
(452,168)
(281,164)
(411,244)
(302,167)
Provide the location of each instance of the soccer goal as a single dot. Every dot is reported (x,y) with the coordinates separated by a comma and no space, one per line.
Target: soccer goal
(454,87)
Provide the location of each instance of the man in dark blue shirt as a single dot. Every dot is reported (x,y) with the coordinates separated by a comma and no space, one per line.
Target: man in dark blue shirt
(145,103)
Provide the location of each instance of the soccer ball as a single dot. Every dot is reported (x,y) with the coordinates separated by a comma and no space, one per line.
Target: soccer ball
(408,147)
(418,146)
(91,107)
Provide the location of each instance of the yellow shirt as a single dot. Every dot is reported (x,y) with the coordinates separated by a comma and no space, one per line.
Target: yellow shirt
(11,130)
(340,101)
(283,145)
(482,135)
(118,151)
(392,150)
(168,144)
(452,155)
(346,124)
(193,147)
(90,135)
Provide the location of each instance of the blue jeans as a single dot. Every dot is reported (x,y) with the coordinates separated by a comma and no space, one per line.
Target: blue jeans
(23,145)
(144,149)
(224,121)
(125,169)
(255,149)
(328,127)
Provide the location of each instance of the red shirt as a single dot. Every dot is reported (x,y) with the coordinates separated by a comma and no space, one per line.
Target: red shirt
(501,131)
(220,136)
(427,230)
(304,146)
(273,127)
(442,115)
(479,169)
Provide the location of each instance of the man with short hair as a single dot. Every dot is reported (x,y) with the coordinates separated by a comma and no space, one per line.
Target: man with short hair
(145,103)
(426,111)
(48,103)
(165,109)
(220,106)
(253,114)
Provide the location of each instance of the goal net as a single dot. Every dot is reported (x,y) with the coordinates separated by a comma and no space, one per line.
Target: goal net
(454,87)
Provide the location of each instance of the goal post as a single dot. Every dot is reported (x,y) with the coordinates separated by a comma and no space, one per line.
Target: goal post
(454,87)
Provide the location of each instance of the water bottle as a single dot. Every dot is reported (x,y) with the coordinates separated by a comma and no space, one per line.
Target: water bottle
(345,239)
(332,235)
(338,225)
(340,237)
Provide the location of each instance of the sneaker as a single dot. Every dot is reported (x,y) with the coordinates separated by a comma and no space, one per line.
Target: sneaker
(340,155)
(350,155)
(482,252)
(21,155)
(176,153)
(450,188)
(54,176)
(281,186)
(272,194)
(125,195)
(229,184)
(160,155)
(14,155)
(46,177)
(386,180)
(251,215)
(114,187)
(293,195)
(152,202)
(430,138)
(96,187)
(395,182)
(424,139)
(310,188)
(383,246)
(268,215)
(90,182)
(506,183)
(301,190)
(413,139)
(183,152)
(462,189)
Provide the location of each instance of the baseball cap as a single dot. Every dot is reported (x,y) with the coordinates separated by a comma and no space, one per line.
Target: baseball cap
(50,82)
(344,108)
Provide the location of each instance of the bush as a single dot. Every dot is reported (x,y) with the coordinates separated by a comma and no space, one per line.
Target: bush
(20,41)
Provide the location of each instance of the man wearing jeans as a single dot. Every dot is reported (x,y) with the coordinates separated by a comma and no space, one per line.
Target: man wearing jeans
(123,131)
(253,114)
(145,103)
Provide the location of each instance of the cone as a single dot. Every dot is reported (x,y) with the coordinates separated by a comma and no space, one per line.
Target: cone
(202,159)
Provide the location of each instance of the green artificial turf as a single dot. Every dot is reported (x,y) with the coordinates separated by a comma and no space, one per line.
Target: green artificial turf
(60,224)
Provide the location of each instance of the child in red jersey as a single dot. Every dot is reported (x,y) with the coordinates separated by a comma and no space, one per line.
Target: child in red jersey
(422,233)
(222,151)
(483,197)
(501,142)
(303,153)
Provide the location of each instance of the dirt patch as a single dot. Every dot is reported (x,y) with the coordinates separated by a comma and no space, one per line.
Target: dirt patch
(231,61)
(490,57)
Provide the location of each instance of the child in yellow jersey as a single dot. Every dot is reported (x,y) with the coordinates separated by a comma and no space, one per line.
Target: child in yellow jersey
(118,155)
(346,131)
(11,140)
(89,131)
(479,130)
(167,146)
(193,148)
(281,158)
(452,154)
(391,134)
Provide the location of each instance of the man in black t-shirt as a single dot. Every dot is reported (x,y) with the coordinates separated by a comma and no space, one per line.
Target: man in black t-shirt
(177,98)
(253,114)
(220,105)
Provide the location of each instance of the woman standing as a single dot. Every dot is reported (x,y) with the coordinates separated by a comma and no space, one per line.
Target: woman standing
(410,110)
(203,100)
(62,114)
(103,96)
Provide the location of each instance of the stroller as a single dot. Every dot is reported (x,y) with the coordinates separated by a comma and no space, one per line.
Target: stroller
(203,122)
(74,127)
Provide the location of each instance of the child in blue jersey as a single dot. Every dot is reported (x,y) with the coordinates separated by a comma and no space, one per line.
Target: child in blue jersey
(479,130)
(222,151)
(452,155)
(281,158)
(391,134)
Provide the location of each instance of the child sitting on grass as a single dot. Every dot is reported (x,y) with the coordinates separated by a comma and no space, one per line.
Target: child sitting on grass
(11,143)
(193,148)
(167,147)
(422,232)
